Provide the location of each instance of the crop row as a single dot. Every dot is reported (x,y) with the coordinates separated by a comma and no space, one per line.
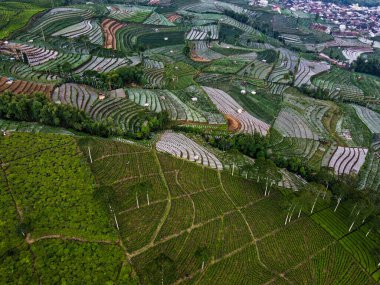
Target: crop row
(90,29)
(183,147)
(370,118)
(102,64)
(291,124)
(242,120)
(307,69)
(78,96)
(24,87)
(35,56)
(346,160)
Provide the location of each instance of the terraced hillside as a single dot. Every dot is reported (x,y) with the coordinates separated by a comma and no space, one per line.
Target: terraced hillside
(195,211)
(186,142)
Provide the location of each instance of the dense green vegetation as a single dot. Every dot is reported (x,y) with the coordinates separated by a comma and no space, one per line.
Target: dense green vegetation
(38,108)
(370,65)
(15,15)
(185,142)
(57,231)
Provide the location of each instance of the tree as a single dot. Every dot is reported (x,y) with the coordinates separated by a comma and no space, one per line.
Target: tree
(161,270)
(268,169)
(202,254)
(304,200)
(320,190)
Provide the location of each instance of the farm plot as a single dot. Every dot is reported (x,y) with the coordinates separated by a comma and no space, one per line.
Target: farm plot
(154,72)
(183,147)
(158,20)
(64,203)
(146,98)
(173,17)
(124,13)
(197,99)
(123,112)
(370,118)
(78,96)
(236,24)
(370,174)
(15,15)
(201,217)
(74,61)
(296,147)
(88,28)
(25,72)
(201,33)
(283,68)
(257,69)
(157,100)
(133,35)
(201,52)
(291,124)
(201,8)
(352,54)
(24,87)
(346,226)
(110,28)
(239,119)
(102,64)
(347,160)
(29,54)
(58,19)
(160,37)
(289,59)
(226,65)
(179,75)
(292,40)
(312,110)
(307,69)
(277,89)
(346,271)
(295,248)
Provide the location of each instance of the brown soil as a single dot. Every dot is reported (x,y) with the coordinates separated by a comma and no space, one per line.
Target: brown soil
(233,123)
(110,27)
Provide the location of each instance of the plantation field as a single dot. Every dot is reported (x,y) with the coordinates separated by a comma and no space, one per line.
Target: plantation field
(192,232)
(14,16)
(160,39)
(226,65)
(52,215)
(194,142)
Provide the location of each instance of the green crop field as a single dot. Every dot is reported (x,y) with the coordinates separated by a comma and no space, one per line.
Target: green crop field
(14,16)
(187,142)
(51,210)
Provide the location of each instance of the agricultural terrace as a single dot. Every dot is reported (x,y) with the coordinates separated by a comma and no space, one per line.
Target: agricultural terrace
(238,119)
(183,147)
(134,14)
(164,100)
(231,151)
(14,16)
(24,87)
(218,225)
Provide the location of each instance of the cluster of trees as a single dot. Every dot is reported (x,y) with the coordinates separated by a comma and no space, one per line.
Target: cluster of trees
(318,93)
(293,164)
(370,65)
(254,146)
(111,80)
(38,108)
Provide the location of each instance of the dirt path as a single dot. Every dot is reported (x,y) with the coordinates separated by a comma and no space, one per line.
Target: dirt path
(30,240)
